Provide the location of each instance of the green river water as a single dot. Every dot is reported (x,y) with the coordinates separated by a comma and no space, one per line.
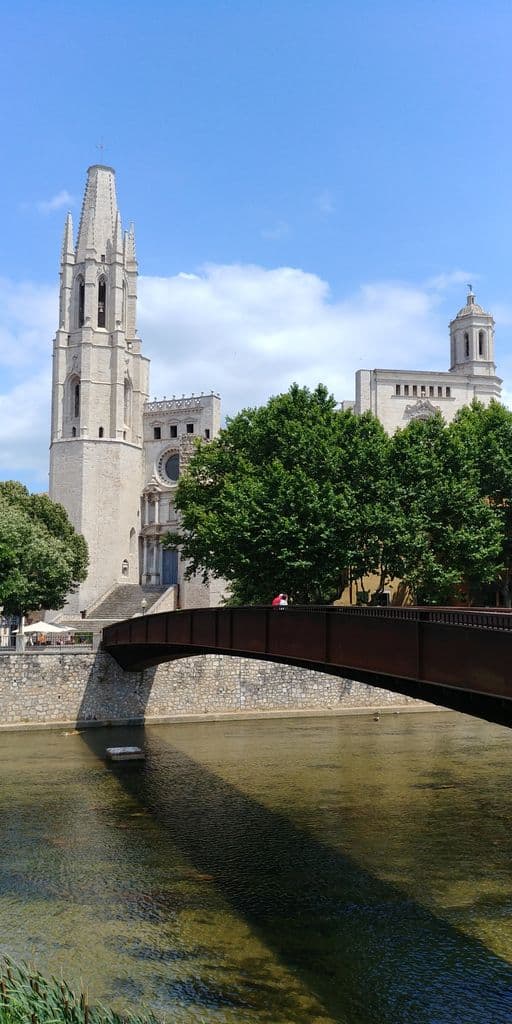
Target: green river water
(298,871)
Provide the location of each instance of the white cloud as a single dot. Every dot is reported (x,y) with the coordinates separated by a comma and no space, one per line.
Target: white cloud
(28,320)
(245,332)
(248,332)
(62,198)
(443,281)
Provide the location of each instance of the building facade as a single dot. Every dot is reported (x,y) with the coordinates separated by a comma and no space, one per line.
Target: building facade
(398,396)
(115,458)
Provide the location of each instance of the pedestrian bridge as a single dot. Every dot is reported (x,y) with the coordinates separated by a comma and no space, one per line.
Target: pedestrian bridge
(458,658)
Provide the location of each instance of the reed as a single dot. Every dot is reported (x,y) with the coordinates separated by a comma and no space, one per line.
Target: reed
(26,997)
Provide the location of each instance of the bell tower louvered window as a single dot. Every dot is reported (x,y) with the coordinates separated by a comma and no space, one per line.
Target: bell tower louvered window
(102,302)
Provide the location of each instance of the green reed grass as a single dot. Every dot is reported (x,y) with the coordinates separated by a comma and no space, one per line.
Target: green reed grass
(26,997)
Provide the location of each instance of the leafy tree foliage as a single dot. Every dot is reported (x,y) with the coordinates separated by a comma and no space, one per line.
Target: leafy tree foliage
(297,496)
(266,505)
(483,435)
(453,538)
(42,559)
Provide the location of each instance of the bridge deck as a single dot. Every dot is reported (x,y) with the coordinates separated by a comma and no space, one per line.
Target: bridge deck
(456,657)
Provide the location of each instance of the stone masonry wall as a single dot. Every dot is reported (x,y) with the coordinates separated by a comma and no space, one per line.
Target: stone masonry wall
(86,688)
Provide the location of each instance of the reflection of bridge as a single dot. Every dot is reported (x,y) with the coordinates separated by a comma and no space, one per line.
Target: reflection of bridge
(449,656)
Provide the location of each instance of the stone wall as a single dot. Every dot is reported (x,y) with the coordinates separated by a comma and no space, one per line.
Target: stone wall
(86,688)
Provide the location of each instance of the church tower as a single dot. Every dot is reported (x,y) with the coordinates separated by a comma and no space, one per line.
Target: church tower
(472,340)
(100,384)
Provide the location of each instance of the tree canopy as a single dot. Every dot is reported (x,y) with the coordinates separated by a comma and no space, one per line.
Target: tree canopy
(483,436)
(298,496)
(453,539)
(42,558)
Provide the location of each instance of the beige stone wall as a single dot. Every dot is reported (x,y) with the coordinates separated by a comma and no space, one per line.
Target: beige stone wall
(98,482)
(46,688)
(376,393)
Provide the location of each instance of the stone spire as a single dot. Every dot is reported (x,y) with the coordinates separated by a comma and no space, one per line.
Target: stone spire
(68,249)
(129,246)
(99,212)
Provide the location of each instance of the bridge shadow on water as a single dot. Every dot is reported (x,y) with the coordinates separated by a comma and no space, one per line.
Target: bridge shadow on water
(366,951)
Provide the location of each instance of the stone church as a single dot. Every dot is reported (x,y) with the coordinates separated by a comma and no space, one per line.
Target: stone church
(398,396)
(115,457)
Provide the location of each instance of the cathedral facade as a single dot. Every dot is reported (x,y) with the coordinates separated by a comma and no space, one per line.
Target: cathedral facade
(115,457)
(398,396)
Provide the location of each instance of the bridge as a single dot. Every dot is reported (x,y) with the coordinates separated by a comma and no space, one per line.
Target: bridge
(454,657)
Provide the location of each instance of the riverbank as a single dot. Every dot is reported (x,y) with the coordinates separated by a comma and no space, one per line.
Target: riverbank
(88,689)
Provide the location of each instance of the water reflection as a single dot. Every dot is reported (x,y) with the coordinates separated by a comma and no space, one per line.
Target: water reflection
(272,871)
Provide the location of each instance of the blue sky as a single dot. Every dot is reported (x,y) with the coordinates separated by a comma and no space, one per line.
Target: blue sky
(312,183)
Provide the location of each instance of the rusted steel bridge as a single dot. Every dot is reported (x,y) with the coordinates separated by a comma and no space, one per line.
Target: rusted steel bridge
(454,657)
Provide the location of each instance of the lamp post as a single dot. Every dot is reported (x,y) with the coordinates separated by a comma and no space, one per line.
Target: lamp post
(143,605)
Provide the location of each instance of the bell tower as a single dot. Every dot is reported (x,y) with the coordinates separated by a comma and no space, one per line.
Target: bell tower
(472,340)
(99,386)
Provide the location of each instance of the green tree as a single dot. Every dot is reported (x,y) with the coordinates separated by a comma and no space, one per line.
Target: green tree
(379,524)
(268,505)
(42,559)
(483,435)
(454,538)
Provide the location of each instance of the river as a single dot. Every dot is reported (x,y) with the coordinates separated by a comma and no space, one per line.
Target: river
(277,871)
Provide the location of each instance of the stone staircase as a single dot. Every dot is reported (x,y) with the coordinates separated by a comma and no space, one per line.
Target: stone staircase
(125,601)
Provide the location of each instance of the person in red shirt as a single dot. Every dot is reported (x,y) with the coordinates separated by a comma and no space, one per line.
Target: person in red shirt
(280,601)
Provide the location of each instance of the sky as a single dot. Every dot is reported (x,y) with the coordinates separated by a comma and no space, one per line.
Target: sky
(312,184)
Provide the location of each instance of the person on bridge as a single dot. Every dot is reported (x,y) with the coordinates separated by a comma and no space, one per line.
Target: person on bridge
(280,601)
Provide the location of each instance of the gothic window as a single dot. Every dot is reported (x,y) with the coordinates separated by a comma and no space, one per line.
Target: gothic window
(190,428)
(481,340)
(102,300)
(157,433)
(207,434)
(466,344)
(174,430)
(123,313)
(73,397)
(100,432)
(73,432)
(81,301)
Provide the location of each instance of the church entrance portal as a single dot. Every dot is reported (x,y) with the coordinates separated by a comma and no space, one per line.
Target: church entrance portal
(169,568)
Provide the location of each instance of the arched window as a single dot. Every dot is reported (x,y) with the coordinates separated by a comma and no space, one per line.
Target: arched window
(81,301)
(73,397)
(102,301)
(73,432)
(100,432)
(133,541)
(466,344)
(481,342)
(127,401)
(123,313)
